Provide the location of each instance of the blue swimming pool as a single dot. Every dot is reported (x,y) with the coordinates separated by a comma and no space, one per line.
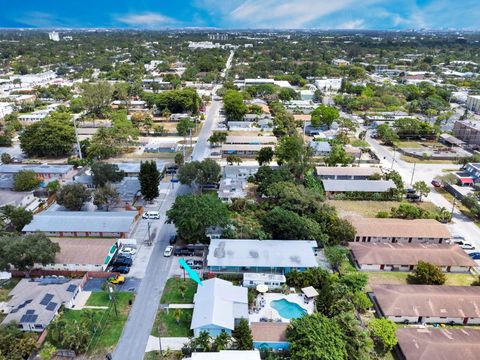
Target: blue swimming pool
(287,309)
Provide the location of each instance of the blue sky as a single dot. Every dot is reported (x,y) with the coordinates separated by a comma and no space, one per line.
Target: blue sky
(323,14)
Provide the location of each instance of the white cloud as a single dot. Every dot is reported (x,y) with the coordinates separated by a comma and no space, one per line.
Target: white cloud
(353,24)
(276,13)
(146,19)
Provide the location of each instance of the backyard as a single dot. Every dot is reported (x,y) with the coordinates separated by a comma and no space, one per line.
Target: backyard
(172,293)
(166,323)
(400,278)
(371,208)
(110,326)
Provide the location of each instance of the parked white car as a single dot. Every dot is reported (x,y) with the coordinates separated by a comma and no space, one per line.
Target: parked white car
(152,215)
(464,244)
(128,250)
(168,251)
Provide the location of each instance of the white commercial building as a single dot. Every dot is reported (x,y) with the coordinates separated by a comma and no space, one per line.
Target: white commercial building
(473,103)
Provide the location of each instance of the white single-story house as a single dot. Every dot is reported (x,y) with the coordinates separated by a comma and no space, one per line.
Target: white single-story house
(218,307)
(273,281)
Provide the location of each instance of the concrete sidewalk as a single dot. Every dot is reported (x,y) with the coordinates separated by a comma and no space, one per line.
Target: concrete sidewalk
(172,343)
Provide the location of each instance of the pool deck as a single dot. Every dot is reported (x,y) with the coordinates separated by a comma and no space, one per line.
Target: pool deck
(267,312)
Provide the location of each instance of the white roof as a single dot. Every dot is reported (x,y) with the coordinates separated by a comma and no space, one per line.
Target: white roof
(218,302)
(228,355)
(263,277)
(310,291)
(358,185)
(262,253)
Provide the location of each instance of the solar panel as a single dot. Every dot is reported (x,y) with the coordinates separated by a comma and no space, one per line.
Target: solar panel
(52,306)
(71,288)
(46,299)
(30,312)
(28,318)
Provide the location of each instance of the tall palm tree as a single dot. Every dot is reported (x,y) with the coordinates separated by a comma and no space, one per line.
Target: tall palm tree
(177,314)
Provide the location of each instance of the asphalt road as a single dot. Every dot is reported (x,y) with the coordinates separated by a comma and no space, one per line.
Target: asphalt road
(133,341)
(460,225)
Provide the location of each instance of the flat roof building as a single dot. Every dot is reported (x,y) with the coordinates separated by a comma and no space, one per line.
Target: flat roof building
(227,355)
(43,171)
(346,173)
(251,140)
(242,150)
(437,343)
(83,223)
(399,230)
(428,303)
(274,256)
(365,186)
(405,257)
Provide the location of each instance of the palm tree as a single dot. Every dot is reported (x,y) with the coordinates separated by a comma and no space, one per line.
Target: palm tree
(177,314)
(222,341)
(182,288)
(203,341)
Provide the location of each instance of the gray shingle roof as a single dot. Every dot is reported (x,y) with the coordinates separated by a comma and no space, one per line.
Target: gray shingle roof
(82,221)
(39,169)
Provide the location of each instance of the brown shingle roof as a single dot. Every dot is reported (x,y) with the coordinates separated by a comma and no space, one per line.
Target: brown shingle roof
(439,344)
(410,254)
(269,331)
(419,228)
(82,251)
(428,300)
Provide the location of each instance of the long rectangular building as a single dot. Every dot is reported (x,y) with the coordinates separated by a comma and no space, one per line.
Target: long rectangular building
(346,173)
(83,223)
(399,230)
(405,257)
(273,256)
(242,150)
(431,304)
(251,140)
(438,344)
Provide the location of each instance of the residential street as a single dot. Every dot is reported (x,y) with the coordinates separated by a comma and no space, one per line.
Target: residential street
(461,225)
(133,341)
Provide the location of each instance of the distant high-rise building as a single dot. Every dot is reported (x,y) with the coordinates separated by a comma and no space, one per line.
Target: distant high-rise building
(218,36)
(54,36)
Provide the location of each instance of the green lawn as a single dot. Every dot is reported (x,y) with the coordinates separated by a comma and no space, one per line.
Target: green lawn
(411,159)
(417,144)
(359,143)
(371,208)
(6,287)
(166,325)
(400,278)
(166,355)
(110,326)
(102,298)
(172,294)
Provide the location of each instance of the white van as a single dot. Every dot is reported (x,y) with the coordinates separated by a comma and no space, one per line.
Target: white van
(151,215)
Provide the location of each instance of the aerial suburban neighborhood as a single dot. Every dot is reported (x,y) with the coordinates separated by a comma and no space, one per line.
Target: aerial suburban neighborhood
(179,189)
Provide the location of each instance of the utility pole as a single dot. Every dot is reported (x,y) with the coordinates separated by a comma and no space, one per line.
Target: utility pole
(453,207)
(76,136)
(149,236)
(413,172)
(393,159)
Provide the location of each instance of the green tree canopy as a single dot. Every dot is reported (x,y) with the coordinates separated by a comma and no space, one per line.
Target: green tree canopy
(235,109)
(316,337)
(105,172)
(18,216)
(106,196)
(149,180)
(73,196)
(382,332)
(265,156)
(25,180)
(324,115)
(193,214)
(53,136)
(243,336)
(427,274)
